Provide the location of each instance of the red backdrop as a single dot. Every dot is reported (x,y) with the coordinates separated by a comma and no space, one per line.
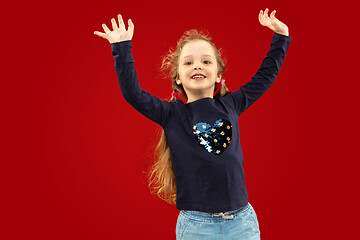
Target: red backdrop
(74,151)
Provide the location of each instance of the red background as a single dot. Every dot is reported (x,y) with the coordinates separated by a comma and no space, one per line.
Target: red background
(74,152)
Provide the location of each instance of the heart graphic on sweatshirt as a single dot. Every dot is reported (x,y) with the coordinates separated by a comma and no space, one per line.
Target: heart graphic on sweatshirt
(213,138)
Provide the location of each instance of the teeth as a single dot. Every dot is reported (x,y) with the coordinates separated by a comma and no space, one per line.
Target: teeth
(198,76)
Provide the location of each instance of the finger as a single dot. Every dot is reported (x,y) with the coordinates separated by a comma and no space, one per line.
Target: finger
(261,14)
(121,22)
(114,25)
(266,12)
(272,14)
(100,34)
(131,25)
(106,29)
(260,17)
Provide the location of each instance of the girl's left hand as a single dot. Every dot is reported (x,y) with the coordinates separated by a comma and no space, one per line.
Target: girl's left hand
(272,22)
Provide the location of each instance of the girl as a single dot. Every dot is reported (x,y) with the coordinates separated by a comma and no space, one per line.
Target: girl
(200,160)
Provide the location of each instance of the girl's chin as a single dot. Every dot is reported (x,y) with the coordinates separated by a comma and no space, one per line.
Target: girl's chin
(198,80)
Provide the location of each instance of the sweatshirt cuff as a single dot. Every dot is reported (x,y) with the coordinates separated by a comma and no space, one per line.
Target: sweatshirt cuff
(121,49)
(281,36)
(122,44)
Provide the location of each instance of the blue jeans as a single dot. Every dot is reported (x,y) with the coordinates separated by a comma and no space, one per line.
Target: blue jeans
(240,224)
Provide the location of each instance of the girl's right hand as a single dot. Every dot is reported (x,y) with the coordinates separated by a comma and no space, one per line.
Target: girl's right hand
(118,34)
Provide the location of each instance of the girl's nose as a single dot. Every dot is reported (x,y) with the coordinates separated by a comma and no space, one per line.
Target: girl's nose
(197,67)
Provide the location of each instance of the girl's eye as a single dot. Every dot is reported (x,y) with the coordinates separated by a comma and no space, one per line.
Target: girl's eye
(187,63)
(207,62)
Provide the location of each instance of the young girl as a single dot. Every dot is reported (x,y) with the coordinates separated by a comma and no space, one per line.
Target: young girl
(200,160)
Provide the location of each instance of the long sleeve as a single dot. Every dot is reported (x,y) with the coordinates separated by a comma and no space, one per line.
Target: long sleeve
(264,77)
(150,106)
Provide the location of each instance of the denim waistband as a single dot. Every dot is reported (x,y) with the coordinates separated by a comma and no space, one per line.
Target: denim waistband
(198,215)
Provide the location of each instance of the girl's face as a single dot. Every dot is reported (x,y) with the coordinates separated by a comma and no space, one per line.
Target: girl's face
(198,69)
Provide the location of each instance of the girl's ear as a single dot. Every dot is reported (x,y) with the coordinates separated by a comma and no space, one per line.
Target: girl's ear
(218,79)
(178,81)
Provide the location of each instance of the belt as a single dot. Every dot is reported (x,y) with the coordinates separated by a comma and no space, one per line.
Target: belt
(224,215)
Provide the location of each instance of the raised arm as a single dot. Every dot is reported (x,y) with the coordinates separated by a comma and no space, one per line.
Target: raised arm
(270,67)
(120,39)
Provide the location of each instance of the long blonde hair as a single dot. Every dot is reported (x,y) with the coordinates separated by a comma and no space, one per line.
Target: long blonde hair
(161,177)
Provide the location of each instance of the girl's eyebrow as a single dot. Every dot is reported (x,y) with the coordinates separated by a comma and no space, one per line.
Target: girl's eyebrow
(204,55)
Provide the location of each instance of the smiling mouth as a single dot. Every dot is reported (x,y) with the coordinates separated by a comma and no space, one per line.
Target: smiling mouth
(198,76)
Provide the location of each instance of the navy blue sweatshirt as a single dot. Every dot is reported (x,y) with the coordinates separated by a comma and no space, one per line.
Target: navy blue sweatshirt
(203,135)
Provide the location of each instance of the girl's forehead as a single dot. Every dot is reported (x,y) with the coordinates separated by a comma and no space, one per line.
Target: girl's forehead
(197,47)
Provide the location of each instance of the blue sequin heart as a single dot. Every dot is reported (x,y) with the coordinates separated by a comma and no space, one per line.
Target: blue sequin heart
(216,138)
